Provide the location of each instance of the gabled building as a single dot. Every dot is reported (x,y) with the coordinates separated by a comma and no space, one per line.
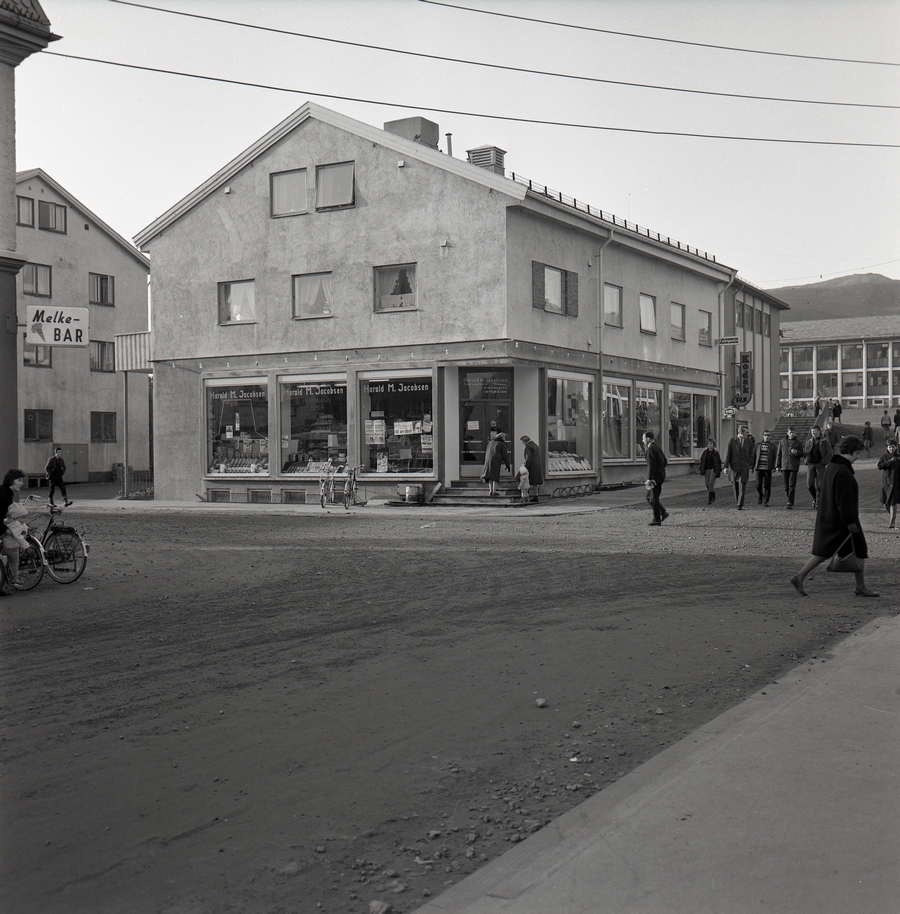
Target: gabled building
(343,292)
(72,397)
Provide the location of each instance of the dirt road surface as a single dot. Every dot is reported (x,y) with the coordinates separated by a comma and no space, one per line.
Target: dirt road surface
(254,713)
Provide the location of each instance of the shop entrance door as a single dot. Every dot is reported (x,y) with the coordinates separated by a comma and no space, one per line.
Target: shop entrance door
(485,405)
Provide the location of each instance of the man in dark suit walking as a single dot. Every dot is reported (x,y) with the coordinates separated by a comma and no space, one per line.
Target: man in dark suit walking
(656,476)
(56,469)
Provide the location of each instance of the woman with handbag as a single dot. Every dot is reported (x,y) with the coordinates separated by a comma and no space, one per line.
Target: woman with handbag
(838,532)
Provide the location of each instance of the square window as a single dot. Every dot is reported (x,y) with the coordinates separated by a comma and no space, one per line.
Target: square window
(51,217)
(101,289)
(677,321)
(395,288)
(38,424)
(648,314)
(37,356)
(103,428)
(705,334)
(612,305)
(312,295)
(335,185)
(36,279)
(103,356)
(237,302)
(288,192)
(25,211)
(554,290)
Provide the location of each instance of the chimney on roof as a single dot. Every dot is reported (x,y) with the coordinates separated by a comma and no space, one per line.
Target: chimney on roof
(417,129)
(489,157)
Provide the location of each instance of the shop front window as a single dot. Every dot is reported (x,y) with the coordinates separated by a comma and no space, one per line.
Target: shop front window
(237,415)
(399,433)
(679,424)
(704,419)
(313,424)
(568,424)
(647,415)
(616,421)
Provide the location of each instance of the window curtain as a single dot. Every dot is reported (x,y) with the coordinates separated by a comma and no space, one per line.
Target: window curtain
(239,301)
(312,295)
(397,288)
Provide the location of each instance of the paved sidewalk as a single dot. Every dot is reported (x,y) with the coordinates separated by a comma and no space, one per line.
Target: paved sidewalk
(787,804)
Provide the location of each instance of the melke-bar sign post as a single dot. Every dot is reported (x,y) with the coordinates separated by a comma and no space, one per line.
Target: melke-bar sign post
(57,326)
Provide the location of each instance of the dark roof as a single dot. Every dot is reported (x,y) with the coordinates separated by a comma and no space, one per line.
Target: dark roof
(845,328)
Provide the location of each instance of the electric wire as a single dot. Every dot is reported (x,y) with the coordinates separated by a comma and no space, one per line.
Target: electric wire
(496,66)
(464,113)
(696,44)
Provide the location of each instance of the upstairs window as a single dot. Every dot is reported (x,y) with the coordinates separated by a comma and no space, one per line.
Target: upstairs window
(648,314)
(103,428)
(103,356)
(395,288)
(237,302)
(36,279)
(25,211)
(37,356)
(312,295)
(38,425)
(51,217)
(705,335)
(335,185)
(101,289)
(554,290)
(288,192)
(677,321)
(612,305)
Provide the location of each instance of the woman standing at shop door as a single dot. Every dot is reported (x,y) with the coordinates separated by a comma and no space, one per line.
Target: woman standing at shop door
(496,455)
(534,465)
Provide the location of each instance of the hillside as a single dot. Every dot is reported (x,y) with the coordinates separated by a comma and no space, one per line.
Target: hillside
(860,295)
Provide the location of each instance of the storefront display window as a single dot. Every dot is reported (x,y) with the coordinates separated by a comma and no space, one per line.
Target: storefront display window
(647,415)
(313,424)
(679,424)
(704,419)
(568,423)
(616,421)
(397,414)
(237,416)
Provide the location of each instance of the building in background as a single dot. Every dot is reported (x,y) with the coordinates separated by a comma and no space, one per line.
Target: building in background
(24,30)
(340,292)
(71,396)
(853,359)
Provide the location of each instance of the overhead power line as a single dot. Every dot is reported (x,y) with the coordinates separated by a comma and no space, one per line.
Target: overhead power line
(497,66)
(696,44)
(463,113)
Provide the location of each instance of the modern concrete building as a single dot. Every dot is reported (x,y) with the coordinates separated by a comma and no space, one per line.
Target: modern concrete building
(71,396)
(24,30)
(340,291)
(853,359)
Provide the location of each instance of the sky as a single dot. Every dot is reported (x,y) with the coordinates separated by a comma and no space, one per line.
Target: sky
(724,174)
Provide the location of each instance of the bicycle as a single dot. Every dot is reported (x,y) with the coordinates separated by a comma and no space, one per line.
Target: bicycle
(59,549)
(351,489)
(326,483)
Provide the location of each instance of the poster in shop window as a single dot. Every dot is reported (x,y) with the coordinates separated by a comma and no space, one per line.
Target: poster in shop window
(375,431)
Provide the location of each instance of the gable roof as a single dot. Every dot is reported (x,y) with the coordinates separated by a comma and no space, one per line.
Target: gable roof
(844,328)
(22,176)
(313,111)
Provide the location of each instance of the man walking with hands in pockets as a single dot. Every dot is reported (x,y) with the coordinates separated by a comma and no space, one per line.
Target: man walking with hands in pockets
(656,476)
(56,469)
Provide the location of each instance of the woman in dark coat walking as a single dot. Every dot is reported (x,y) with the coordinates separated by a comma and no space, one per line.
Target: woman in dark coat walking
(837,519)
(889,465)
(496,455)
(534,465)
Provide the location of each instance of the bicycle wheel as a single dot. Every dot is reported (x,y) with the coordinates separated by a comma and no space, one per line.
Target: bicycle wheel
(348,496)
(323,498)
(31,565)
(66,556)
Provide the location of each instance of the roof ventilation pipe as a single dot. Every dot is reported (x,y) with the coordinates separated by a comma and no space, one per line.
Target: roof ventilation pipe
(489,157)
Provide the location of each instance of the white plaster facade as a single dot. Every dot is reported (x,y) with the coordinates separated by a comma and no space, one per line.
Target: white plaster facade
(502,325)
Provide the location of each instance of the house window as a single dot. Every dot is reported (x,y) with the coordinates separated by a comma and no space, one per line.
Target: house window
(36,279)
(334,185)
(51,217)
(738,314)
(237,302)
(612,305)
(554,290)
(679,424)
(103,428)
(395,414)
(803,358)
(312,295)
(101,289)
(826,357)
(677,321)
(25,211)
(38,424)
(395,288)
(758,321)
(237,415)
(103,356)
(852,384)
(852,355)
(647,416)
(877,383)
(37,356)
(313,423)
(648,314)
(877,355)
(288,192)
(616,434)
(705,333)
(569,424)
(767,324)
(784,359)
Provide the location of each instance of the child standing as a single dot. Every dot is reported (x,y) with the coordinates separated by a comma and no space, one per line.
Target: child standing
(522,478)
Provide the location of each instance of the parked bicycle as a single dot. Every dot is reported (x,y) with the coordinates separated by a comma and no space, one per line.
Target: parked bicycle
(351,489)
(326,483)
(59,548)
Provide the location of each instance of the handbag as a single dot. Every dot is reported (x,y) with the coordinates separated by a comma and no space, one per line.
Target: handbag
(846,563)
